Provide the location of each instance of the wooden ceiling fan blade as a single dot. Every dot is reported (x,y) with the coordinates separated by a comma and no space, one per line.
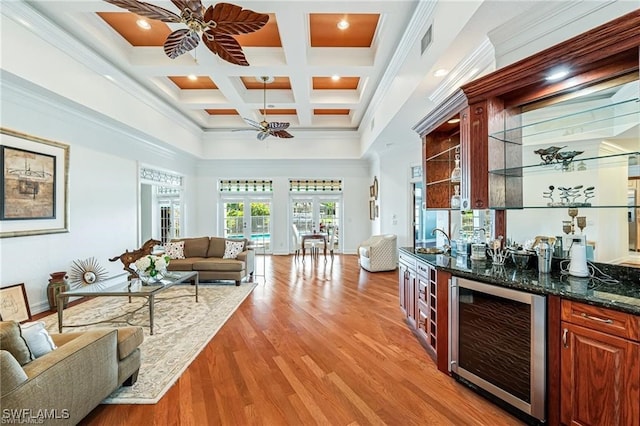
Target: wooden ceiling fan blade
(226,47)
(147,10)
(281,134)
(278,125)
(253,123)
(194,6)
(180,41)
(231,19)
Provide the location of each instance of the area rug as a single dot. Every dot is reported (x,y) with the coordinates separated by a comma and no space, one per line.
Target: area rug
(181,329)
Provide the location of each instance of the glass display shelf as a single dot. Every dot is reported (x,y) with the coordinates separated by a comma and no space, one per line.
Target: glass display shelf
(600,121)
(576,164)
(447,155)
(441,181)
(565,206)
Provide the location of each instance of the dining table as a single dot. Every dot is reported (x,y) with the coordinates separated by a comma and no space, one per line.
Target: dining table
(314,236)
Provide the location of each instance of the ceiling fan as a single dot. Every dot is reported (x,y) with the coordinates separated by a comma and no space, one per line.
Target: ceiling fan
(217,24)
(266,128)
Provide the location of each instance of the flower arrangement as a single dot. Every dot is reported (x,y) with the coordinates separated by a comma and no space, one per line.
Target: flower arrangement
(152,265)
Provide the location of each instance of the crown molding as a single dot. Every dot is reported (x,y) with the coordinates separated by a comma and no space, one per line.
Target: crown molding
(422,13)
(18,91)
(538,23)
(32,20)
(480,59)
(294,167)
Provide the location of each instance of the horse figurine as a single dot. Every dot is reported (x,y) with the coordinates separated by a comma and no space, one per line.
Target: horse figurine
(129,257)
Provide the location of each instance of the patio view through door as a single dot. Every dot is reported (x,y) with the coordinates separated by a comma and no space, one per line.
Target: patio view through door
(317,213)
(248,217)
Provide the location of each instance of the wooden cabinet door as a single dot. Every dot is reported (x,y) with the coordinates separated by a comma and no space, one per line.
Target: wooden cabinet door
(412,298)
(600,378)
(402,285)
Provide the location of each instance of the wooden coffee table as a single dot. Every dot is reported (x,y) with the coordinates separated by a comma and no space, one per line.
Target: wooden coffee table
(131,288)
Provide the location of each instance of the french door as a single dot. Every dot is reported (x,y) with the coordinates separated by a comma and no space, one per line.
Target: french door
(317,213)
(247,217)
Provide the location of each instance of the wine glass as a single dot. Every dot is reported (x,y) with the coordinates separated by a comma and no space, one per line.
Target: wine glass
(581,221)
(566,226)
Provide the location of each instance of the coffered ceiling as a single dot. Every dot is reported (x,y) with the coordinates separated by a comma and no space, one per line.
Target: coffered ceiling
(324,76)
(385,62)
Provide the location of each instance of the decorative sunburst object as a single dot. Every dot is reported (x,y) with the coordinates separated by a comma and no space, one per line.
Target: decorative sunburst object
(216,25)
(85,272)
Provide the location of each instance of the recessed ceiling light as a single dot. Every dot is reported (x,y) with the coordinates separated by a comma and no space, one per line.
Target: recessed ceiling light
(343,24)
(454,121)
(335,77)
(557,74)
(440,73)
(144,24)
(192,77)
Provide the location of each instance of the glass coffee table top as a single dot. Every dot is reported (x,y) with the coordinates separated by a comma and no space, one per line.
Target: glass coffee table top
(132,287)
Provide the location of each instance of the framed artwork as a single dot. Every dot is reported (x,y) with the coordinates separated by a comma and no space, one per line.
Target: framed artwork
(375,188)
(13,303)
(371,191)
(33,185)
(372,209)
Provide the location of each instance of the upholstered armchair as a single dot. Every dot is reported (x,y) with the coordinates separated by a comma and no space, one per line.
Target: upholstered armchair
(379,253)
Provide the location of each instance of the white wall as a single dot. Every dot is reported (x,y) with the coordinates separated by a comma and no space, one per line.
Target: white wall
(103,187)
(355,180)
(395,199)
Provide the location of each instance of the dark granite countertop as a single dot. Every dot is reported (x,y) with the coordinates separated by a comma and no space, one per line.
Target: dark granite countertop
(623,295)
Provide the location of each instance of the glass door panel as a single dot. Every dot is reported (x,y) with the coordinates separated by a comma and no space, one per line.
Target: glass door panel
(317,213)
(260,214)
(303,215)
(248,217)
(329,219)
(233,218)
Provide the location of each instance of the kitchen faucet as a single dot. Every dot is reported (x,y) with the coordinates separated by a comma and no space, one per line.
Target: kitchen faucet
(447,246)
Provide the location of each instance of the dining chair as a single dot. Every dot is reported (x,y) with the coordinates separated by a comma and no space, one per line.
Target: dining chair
(295,238)
(332,242)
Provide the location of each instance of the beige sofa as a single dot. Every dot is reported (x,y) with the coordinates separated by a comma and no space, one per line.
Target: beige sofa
(204,254)
(66,384)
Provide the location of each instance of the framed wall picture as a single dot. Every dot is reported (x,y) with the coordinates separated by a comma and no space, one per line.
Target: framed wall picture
(372,209)
(13,303)
(375,187)
(33,185)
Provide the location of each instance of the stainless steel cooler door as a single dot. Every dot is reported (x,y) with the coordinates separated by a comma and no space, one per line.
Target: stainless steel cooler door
(498,342)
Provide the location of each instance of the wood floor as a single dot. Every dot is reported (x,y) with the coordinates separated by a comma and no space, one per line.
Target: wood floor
(319,343)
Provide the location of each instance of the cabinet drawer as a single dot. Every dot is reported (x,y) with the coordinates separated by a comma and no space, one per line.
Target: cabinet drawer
(408,260)
(609,321)
(423,269)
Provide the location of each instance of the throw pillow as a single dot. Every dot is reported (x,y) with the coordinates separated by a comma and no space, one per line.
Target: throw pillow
(37,338)
(232,249)
(175,250)
(11,340)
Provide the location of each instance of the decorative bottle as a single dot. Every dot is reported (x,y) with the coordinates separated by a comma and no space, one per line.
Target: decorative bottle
(455,198)
(456,172)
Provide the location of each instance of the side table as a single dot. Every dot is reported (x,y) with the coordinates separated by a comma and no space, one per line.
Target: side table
(255,246)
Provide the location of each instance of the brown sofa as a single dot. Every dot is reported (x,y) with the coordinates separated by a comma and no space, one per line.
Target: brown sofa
(204,254)
(71,380)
